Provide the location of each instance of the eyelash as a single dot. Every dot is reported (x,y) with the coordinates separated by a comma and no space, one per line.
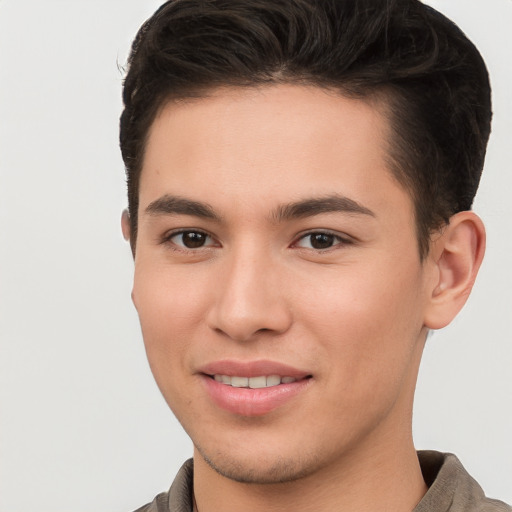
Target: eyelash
(167,239)
(337,240)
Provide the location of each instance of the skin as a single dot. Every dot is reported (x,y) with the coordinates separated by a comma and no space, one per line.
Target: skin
(353,314)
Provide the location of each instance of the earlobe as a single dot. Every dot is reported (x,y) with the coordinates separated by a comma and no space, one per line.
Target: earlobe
(456,257)
(125,224)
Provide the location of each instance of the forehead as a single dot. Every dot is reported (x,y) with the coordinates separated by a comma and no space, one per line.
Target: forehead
(278,142)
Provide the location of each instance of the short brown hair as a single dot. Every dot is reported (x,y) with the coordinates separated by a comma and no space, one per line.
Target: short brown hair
(433,79)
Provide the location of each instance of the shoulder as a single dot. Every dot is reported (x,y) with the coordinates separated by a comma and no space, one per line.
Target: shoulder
(451,488)
(159,504)
(179,496)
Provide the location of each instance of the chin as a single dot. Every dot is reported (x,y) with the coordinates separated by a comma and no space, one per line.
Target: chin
(262,469)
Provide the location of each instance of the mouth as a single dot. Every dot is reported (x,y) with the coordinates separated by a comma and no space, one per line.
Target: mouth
(254,388)
(262,381)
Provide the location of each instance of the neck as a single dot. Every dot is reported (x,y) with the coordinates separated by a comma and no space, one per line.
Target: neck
(383,480)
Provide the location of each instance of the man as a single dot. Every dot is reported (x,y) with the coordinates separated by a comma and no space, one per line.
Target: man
(300,181)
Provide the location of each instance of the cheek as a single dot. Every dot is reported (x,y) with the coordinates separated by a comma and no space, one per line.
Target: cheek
(163,294)
(367,321)
(170,308)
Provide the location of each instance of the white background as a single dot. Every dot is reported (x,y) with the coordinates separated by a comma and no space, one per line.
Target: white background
(82,425)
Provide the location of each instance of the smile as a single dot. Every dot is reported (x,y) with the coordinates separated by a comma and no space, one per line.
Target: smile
(253,388)
(253,382)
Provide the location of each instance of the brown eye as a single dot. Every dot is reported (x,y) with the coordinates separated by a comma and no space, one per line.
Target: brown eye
(321,241)
(191,239)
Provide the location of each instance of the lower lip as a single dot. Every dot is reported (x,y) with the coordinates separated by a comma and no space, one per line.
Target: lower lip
(252,402)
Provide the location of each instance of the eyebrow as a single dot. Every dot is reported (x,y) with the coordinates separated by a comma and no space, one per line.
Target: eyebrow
(175,205)
(316,206)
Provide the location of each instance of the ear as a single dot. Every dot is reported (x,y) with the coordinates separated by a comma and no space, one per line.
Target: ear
(456,257)
(125,224)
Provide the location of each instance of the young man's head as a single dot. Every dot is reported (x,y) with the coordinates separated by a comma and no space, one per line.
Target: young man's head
(300,174)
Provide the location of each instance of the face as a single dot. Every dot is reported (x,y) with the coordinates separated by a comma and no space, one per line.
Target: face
(278,280)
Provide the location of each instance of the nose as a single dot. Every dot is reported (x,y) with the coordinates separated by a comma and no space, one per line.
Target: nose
(250,298)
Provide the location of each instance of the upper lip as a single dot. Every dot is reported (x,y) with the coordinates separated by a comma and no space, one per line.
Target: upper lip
(252,369)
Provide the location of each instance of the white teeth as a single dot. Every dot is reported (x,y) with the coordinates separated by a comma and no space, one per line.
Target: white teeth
(253,382)
(240,382)
(257,382)
(273,380)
